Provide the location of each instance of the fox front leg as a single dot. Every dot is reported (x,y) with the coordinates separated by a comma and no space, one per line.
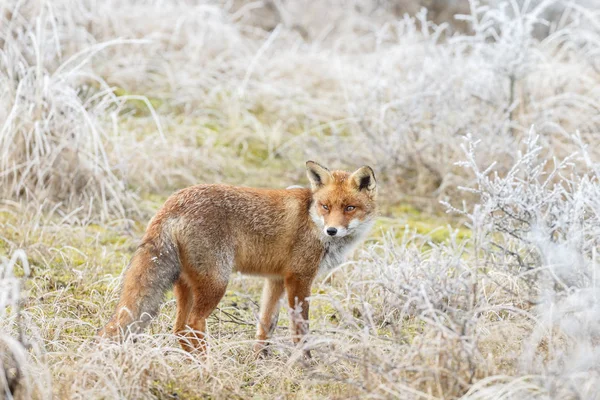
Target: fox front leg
(269,314)
(298,292)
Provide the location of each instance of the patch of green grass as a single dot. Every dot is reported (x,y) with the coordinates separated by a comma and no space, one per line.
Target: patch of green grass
(139,107)
(172,390)
(433,227)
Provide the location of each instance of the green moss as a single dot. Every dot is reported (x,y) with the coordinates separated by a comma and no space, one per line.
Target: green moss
(3,247)
(172,390)
(323,310)
(254,151)
(405,209)
(436,232)
(138,106)
(435,228)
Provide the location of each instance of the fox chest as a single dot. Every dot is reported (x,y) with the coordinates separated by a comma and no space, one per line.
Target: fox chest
(335,253)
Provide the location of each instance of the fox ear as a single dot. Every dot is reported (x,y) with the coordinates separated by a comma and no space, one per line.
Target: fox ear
(317,174)
(364,179)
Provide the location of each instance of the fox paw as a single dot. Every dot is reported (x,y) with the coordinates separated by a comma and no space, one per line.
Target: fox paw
(261,350)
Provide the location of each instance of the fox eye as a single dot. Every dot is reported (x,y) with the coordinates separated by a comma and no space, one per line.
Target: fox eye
(325,207)
(350,208)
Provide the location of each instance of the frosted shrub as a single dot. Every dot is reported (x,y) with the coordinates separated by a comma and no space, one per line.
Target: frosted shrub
(511,310)
(541,227)
(417,314)
(426,90)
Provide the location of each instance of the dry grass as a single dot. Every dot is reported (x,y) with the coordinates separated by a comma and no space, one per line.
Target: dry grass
(106,107)
(367,339)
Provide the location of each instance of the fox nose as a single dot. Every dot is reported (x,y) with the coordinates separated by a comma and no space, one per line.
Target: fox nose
(331,231)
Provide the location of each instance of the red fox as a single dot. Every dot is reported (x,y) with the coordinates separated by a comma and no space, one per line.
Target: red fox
(204,233)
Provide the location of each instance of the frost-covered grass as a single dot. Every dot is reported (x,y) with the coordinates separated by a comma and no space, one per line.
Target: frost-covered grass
(106,107)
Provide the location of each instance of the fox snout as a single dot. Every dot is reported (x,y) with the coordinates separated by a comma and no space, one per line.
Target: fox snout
(333,231)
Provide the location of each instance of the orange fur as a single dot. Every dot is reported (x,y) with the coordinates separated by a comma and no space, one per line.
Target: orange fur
(204,233)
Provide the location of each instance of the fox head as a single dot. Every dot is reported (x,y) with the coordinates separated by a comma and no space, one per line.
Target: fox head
(343,202)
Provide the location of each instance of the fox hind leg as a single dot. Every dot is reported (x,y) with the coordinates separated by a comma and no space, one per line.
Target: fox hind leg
(207,293)
(184,297)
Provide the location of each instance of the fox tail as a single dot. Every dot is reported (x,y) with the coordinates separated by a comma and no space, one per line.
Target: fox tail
(153,270)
